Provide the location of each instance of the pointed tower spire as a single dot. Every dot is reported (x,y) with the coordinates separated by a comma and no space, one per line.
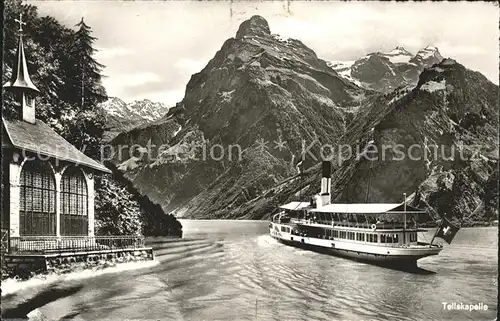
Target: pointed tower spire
(20,81)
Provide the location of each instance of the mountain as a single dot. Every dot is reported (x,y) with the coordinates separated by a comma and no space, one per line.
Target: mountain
(452,111)
(122,116)
(258,87)
(270,100)
(384,72)
(452,116)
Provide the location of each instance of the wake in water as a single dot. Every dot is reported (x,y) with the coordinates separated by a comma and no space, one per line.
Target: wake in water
(22,298)
(266,241)
(13,285)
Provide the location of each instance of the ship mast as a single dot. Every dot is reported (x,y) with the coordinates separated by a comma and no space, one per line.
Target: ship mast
(404,215)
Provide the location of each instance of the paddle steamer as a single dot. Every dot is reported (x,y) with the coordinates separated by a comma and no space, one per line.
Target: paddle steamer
(379,233)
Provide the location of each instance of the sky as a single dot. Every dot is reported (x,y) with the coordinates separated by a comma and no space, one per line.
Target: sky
(151,48)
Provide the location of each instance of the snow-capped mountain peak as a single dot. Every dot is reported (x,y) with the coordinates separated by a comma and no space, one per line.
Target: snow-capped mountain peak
(343,68)
(427,57)
(142,109)
(114,106)
(384,71)
(122,116)
(428,52)
(398,55)
(399,51)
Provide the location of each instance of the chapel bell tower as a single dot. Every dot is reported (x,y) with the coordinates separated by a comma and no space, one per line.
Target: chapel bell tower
(20,83)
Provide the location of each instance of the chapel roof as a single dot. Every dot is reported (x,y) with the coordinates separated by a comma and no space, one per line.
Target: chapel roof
(41,139)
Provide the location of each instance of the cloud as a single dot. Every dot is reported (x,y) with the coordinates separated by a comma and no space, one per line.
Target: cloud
(168,97)
(119,84)
(143,56)
(469,50)
(190,66)
(108,53)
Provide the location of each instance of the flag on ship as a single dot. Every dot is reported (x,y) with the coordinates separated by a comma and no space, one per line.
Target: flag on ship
(447,230)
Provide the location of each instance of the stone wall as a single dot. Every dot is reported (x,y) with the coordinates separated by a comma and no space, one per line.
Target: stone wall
(26,265)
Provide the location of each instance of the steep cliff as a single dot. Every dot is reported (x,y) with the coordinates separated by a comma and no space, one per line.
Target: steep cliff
(257,88)
(230,148)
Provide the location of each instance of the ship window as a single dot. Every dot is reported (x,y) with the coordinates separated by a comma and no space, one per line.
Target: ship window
(373,238)
(335,233)
(283,229)
(382,238)
(396,238)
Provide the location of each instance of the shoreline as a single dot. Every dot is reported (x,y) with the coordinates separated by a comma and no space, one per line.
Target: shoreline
(475,224)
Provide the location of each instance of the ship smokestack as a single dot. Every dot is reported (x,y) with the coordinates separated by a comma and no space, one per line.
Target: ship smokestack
(326,183)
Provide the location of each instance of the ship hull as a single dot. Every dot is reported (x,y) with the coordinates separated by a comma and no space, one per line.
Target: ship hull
(387,256)
(378,259)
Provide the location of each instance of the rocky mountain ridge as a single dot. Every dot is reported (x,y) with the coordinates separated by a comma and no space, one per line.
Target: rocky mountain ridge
(385,72)
(122,116)
(273,97)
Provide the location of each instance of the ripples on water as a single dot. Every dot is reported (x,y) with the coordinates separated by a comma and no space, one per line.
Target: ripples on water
(231,270)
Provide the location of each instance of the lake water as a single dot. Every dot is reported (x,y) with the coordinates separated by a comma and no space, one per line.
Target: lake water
(232,270)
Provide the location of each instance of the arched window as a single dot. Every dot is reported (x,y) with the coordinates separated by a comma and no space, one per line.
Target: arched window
(74,202)
(37,210)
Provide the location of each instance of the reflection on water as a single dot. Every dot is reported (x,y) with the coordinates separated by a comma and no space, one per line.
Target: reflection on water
(231,270)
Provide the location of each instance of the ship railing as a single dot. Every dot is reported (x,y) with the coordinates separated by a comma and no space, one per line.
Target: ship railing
(365,225)
(331,238)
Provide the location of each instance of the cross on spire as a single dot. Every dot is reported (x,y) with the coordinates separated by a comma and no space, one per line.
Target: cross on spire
(20,22)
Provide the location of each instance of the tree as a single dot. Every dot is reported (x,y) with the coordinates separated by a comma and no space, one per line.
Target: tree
(116,212)
(155,222)
(86,87)
(61,63)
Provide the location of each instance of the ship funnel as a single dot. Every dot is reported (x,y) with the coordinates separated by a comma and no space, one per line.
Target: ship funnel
(326,182)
